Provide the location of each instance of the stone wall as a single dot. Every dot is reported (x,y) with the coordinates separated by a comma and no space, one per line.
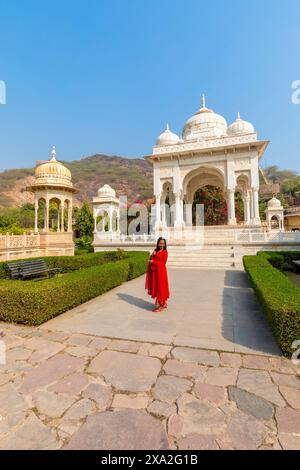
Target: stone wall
(13,247)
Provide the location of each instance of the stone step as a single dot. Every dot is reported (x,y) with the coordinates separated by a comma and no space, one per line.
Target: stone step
(201,250)
(200,253)
(220,268)
(209,256)
(197,249)
(187,256)
(201,263)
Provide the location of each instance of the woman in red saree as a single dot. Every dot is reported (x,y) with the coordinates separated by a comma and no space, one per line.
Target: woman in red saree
(157,283)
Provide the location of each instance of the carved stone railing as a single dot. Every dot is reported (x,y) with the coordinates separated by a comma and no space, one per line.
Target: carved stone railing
(267,237)
(121,238)
(19,241)
(207,236)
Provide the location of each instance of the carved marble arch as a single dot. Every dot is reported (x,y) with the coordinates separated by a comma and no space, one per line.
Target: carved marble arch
(167,195)
(275,221)
(67,202)
(41,211)
(203,176)
(54,222)
(102,219)
(242,184)
(56,202)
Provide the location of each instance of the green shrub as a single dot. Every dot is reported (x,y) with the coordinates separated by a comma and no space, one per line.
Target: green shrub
(3,271)
(84,243)
(33,303)
(138,263)
(276,259)
(80,251)
(280,299)
(120,254)
(287,256)
(67,264)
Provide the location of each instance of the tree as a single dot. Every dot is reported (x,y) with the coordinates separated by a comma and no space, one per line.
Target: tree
(274,174)
(84,221)
(215,207)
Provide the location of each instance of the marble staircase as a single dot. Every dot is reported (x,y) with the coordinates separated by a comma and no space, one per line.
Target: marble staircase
(207,256)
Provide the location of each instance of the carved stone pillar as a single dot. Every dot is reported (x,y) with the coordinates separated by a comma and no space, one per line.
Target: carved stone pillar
(231,207)
(178,211)
(157,211)
(256,218)
(36,214)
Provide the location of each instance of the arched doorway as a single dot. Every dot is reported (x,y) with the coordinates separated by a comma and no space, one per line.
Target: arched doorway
(239,206)
(206,186)
(102,220)
(215,205)
(242,199)
(275,223)
(167,204)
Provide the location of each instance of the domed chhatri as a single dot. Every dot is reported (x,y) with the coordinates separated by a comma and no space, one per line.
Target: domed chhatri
(167,138)
(53,184)
(274,203)
(209,154)
(106,191)
(53,173)
(106,205)
(240,127)
(204,124)
(275,214)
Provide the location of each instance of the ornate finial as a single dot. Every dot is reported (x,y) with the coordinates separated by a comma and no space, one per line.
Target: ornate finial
(203,101)
(53,153)
(238,115)
(168,127)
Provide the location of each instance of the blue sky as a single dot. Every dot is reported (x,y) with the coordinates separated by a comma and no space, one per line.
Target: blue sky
(105,76)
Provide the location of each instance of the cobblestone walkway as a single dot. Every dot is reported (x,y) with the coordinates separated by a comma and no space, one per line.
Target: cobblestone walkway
(208,309)
(110,374)
(78,391)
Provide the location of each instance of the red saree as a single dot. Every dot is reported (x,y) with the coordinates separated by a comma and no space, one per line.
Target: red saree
(157,278)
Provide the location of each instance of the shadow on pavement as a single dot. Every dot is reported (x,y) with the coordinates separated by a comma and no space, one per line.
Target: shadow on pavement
(137,301)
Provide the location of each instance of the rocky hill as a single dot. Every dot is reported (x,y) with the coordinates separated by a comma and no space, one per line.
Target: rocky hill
(129,176)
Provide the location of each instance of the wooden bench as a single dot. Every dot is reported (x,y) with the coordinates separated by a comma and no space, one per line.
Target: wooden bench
(29,269)
(296,265)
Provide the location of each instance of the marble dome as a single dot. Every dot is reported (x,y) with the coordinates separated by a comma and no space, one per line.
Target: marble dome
(205,124)
(240,127)
(53,173)
(167,138)
(106,191)
(274,203)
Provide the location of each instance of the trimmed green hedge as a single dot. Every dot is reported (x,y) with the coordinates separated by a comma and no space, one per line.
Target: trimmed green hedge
(276,259)
(281,259)
(33,303)
(280,299)
(67,264)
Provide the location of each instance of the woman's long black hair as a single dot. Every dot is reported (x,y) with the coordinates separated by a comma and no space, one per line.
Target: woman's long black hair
(157,244)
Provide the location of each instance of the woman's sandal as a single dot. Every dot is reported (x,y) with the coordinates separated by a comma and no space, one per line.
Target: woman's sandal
(158,309)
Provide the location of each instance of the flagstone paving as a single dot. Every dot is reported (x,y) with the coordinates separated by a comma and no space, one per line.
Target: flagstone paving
(77,390)
(208,309)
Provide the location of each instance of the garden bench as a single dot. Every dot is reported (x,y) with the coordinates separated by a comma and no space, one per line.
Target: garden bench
(296,265)
(29,269)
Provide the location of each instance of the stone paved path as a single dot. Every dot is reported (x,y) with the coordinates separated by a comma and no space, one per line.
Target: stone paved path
(71,390)
(208,309)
